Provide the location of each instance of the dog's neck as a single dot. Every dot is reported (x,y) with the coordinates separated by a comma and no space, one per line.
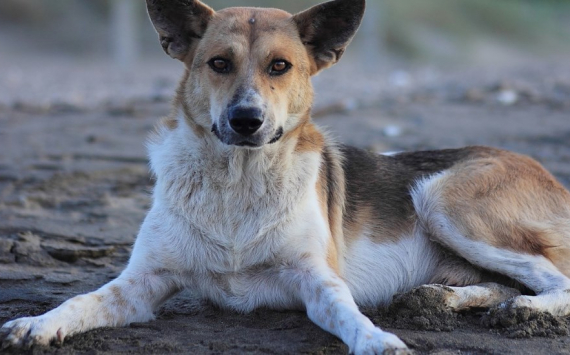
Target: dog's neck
(236,163)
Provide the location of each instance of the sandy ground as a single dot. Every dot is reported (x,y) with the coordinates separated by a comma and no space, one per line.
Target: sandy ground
(74,187)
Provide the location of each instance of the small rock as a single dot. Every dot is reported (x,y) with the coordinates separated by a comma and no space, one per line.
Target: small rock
(63,107)
(474,95)
(400,79)
(507,97)
(124,109)
(392,131)
(27,250)
(59,278)
(6,255)
(71,254)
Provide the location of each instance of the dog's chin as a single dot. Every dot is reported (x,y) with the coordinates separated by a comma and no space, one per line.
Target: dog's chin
(248,145)
(242,142)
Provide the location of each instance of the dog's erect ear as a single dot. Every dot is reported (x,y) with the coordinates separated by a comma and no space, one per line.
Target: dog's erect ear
(328,28)
(179,23)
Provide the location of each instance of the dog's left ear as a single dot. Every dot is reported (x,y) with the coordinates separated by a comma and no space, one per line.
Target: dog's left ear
(180,24)
(327,29)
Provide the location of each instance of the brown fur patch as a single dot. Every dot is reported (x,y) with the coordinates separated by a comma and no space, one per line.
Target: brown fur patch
(330,189)
(181,101)
(560,255)
(330,284)
(170,123)
(118,298)
(510,202)
(354,227)
(318,293)
(322,192)
(310,139)
(333,257)
(107,316)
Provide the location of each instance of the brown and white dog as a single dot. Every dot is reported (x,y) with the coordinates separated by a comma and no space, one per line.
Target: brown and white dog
(255,207)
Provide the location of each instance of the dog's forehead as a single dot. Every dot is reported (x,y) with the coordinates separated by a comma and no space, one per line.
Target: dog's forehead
(241,16)
(251,22)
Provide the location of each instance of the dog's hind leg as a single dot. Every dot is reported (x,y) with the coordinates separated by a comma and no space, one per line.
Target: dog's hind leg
(552,288)
(485,295)
(507,215)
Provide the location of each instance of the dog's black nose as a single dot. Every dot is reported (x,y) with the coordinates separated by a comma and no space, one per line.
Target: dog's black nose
(246,121)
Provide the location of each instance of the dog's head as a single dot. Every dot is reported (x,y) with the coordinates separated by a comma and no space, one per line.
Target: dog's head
(249,69)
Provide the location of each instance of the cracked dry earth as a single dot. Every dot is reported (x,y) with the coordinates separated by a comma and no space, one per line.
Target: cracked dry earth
(74,187)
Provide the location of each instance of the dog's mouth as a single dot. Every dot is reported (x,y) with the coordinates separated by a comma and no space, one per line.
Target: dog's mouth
(277,136)
(245,142)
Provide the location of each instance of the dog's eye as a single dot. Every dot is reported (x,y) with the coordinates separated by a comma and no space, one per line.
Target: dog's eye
(220,65)
(279,67)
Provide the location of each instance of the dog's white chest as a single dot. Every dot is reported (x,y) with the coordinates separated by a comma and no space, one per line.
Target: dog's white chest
(232,220)
(244,226)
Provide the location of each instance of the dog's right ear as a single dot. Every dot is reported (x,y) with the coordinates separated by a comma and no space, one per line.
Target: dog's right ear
(180,24)
(327,29)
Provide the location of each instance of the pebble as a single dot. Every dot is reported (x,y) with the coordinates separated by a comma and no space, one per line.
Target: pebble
(6,255)
(400,79)
(507,97)
(474,95)
(392,131)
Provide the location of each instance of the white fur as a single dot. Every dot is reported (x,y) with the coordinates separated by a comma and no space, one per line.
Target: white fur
(375,271)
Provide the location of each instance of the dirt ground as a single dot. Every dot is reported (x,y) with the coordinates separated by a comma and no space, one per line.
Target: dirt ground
(74,187)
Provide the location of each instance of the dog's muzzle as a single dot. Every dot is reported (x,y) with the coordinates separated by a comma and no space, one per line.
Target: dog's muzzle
(246,126)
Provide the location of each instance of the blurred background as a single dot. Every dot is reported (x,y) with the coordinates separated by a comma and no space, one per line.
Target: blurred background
(84,52)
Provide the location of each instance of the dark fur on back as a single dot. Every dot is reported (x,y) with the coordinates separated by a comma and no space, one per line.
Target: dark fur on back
(381,184)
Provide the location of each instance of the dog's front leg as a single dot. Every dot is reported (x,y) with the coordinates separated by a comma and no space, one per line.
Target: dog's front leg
(132,297)
(330,305)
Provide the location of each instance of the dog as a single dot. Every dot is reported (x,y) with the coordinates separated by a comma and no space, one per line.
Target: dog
(255,207)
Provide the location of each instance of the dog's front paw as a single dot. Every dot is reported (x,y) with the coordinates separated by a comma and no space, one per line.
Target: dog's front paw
(376,341)
(28,331)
